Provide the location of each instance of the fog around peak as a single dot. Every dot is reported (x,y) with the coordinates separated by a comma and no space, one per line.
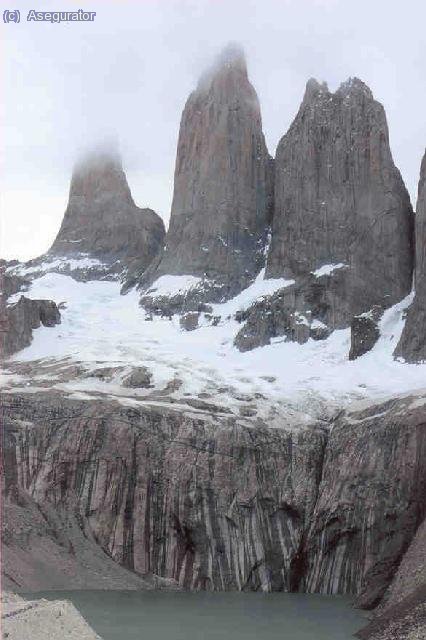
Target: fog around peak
(65,87)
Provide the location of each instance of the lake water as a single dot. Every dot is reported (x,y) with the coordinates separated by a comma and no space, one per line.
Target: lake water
(133,615)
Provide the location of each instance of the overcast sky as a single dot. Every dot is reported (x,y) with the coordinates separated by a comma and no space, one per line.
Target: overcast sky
(65,86)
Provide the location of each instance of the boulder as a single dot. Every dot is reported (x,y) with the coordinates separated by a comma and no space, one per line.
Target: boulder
(139,377)
(189,321)
(364,332)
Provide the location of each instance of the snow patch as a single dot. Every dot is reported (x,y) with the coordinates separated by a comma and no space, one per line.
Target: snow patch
(260,288)
(317,324)
(327,269)
(173,285)
(58,264)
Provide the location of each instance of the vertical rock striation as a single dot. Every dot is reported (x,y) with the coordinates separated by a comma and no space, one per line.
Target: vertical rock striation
(412,346)
(202,500)
(214,503)
(340,200)
(371,499)
(102,220)
(222,200)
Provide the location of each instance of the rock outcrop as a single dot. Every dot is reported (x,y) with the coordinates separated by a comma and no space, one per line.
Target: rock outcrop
(21,318)
(102,222)
(412,346)
(222,202)
(341,202)
(365,332)
(303,310)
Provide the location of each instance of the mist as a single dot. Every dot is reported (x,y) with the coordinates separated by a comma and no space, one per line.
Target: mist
(128,74)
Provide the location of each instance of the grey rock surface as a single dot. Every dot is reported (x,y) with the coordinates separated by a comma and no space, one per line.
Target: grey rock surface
(402,613)
(102,220)
(45,548)
(139,377)
(222,202)
(339,199)
(412,346)
(21,318)
(364,332)
(189,321)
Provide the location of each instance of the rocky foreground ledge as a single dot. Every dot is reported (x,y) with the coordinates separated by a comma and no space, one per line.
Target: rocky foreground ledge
(42,620)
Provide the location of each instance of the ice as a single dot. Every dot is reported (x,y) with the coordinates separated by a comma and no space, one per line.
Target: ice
(100,326)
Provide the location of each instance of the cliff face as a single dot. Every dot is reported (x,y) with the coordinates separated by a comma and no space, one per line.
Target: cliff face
(223,181)
(102,220)
(339,199)
(215,504)
(209,503)
(412,346)
(371,498)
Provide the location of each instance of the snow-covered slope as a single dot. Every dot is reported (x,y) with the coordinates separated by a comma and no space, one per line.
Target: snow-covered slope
(102,328)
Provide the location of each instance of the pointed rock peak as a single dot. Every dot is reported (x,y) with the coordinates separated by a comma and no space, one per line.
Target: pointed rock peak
(314,89)
(232,56)
(354,86)
(101,220)
(230,61)
(103,154)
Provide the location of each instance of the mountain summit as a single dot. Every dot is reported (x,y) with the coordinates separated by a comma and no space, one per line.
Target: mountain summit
(340,200)
(101,218)
(223,181)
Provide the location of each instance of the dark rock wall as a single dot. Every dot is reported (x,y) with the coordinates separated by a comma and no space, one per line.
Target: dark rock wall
(222,202)
(340,199)
(412,346)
